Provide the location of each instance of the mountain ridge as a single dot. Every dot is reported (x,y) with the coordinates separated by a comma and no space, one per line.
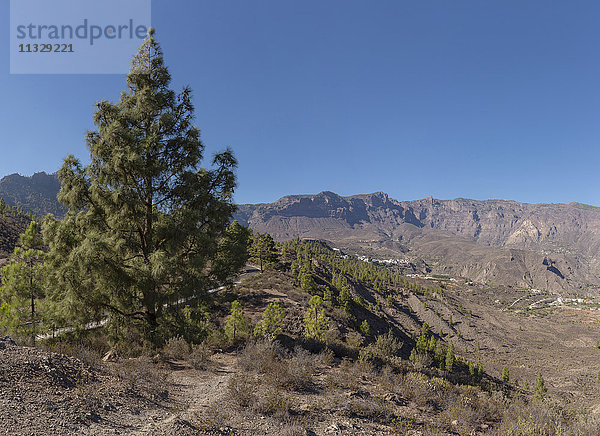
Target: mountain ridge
(35,194)
(554,246)
(557,244)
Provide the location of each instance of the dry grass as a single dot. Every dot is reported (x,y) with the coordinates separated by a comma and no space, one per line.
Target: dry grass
(88,353)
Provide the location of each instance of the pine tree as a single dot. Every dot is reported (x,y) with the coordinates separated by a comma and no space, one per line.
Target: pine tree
(425,330)
(24,282)
(232,252)
(328,296)
(272,321)
(450,358)
(263,249)
(413,355)
(315,322)
(431,345)
(345,297)
(539,388)
(423,341)
(307,282)
(145,220)
(440,354)
(365,328)
(236,325)
(505,375)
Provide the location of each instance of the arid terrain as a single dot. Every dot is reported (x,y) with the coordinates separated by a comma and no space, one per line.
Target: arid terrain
(541,246)
(290,387)
(515,302)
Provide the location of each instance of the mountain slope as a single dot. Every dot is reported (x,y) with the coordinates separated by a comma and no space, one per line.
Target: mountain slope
(35,194)
(12,223)
(550,246)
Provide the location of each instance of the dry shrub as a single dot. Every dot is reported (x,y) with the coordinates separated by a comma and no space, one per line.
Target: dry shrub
(213,419)
(365,369)
(547,419)
(347,376)
(354,339)
(143,377)
(416,387)
(387,378)
(277,367)
(88,355)
(326,357)
(459,417)
(350,374)
(241,390)
(373,409)
(331,382)
(176,348)
(387,346)
(403,424)
(422,361)
(271,402)
(199,356)
(585,425)
(296,371)
(466,407)
(292,429)
(528,426)
(261,356)
(332,335)
(489,407)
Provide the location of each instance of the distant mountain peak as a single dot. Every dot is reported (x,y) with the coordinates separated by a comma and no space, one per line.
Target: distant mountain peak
(465,237)
(35,194)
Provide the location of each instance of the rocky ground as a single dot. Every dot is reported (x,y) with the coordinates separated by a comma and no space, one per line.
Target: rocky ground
(249,391)
(45,393)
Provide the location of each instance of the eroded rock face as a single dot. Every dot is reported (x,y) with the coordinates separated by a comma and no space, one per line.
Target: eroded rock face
(459,236)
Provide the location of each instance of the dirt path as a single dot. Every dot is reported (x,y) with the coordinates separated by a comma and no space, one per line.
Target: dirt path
(193,393)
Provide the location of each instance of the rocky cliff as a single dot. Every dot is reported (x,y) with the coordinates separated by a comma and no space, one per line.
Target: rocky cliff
(550,246)
(35,194)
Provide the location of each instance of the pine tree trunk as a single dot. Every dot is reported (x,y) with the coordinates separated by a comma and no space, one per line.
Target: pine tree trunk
(153,324)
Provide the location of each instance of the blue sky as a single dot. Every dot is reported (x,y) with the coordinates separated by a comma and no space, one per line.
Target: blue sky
(495,99)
